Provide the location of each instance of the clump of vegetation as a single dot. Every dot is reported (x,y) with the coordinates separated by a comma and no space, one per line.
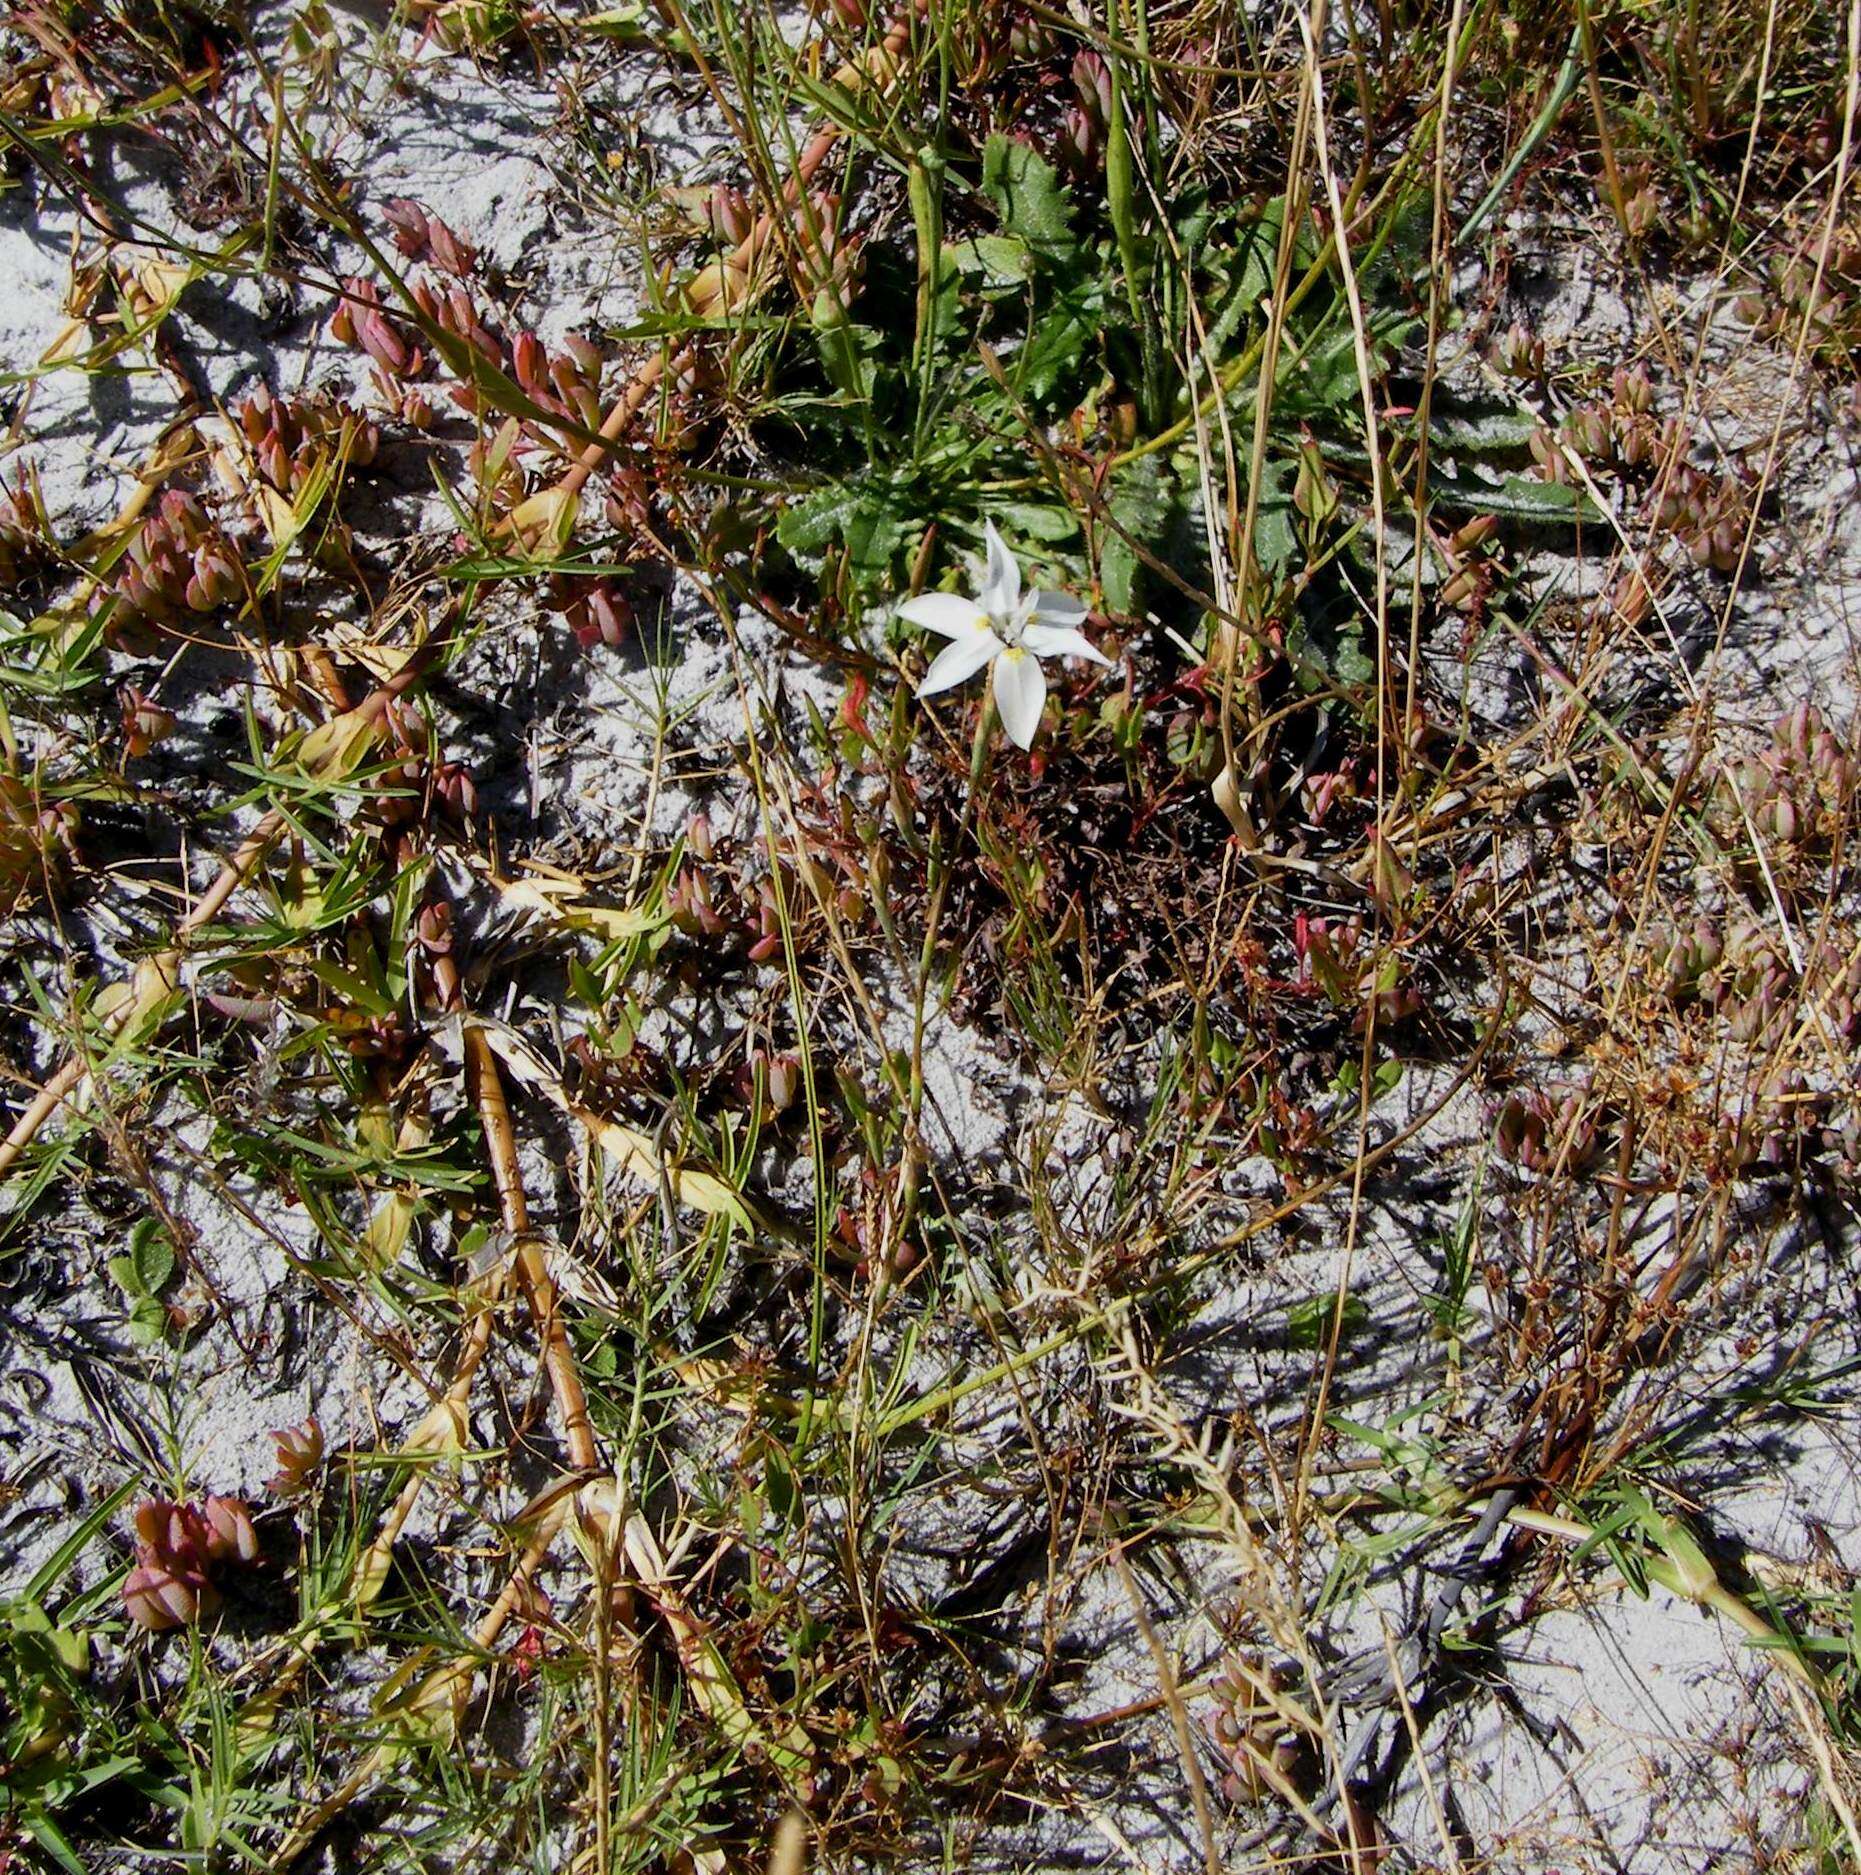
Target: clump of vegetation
(533,846)
(180,1549)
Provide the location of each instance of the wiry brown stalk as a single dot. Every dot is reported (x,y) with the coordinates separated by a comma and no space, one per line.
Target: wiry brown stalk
(445,1423)
(533,1277)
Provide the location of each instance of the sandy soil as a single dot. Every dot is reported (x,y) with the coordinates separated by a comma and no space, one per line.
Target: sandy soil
(1595,1729)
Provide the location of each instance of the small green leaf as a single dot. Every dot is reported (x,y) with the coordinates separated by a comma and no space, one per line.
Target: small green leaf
(148,1321)
(1144,503)
(142,1273)
(860,519)
(1069,327)
(1001,259)
(52,1840)
(1308,1323)
(1276,531)
(1494,431)
(1524,499)
(849,352)
(354,989)
(1026,188)
(154,1256)
(782,1484)
(1033,521)
(1118,568)
(1352,665)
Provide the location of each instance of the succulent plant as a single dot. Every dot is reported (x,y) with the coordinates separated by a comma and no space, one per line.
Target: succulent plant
(1778,1123)
(1078,145)
(1631,391)
(1332,961)
(179,1548)
(1263,1751)
(145,722)
(1687,959)
(25,533)
(1709,513)
(1092,84)
(179,561)
(299,1452)
(690,906)
(421,235)
(1589,431)
(230,1536)
(290,438)
(1789,297)
(1835,978)
(729,215)
(1797,792)
(1752,982)
(564,383)
(1544,1132)
(1520,354)
(1030,38)
(360,319)
(832,258)
(36,837)
(1640,213)
(158,1596)
(1324,950)
(596,609)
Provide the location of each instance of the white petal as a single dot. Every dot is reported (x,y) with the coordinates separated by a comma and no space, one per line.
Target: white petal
(1001,577)
(1060,641)
(1020,695)
(1059,608)
(946,613)
(959,660)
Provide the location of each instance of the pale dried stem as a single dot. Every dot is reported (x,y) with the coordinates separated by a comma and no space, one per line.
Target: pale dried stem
(533,1277)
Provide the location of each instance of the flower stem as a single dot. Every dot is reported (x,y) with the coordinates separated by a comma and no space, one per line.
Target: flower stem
(985,733)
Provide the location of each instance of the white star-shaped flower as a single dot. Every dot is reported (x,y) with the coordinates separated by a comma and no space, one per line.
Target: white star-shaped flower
(1005,633)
